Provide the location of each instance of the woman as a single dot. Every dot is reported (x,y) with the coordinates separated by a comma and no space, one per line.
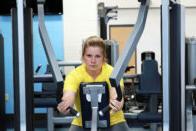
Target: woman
(93,69)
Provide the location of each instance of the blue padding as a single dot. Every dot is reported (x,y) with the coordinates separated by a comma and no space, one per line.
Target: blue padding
(150,79)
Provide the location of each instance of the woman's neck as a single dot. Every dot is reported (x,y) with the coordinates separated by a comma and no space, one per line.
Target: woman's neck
(94,74)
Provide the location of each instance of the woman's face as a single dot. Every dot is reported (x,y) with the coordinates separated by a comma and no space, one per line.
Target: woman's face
(93,58)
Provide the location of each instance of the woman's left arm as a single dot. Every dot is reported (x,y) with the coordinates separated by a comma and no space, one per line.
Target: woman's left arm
(115,105)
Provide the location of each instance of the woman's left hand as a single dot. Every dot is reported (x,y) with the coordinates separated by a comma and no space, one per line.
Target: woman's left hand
(115,105)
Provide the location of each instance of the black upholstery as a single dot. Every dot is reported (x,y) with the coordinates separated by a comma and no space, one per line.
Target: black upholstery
(150,79)
(86,106)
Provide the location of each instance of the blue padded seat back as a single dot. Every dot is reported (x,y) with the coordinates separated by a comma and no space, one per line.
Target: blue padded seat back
(150,79)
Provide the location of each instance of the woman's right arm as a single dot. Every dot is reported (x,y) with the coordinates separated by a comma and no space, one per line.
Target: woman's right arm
(68,100)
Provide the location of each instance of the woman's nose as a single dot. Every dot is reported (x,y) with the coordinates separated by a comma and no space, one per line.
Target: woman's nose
(93,59)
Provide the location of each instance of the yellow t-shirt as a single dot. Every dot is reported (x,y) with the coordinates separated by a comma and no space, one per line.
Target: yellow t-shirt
(72,83)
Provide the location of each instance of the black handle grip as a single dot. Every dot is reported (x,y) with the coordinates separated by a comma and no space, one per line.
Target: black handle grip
(59,96)
(38,68)
(119,98)
(104,110)
(119,93)
(74,112)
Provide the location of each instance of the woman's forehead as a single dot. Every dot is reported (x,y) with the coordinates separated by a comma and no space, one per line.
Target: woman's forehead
(97,50)
(94,48)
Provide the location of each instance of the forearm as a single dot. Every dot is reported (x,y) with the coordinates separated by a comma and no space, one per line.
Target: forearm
(68,100)
(115,105)
(69,96)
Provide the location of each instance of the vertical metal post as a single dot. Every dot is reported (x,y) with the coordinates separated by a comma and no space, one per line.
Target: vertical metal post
(102,21)
(15,70)
(190,80)
(2,85)
(50,116)
(23,99)
(28,51)
(165,62)
(112,49)
(103,28)
(19,70)
(177,68)
(114,52)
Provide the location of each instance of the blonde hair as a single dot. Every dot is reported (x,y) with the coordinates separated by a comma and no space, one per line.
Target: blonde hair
(94,41)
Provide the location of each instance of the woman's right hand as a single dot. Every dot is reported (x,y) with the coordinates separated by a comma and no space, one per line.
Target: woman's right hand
(67,102)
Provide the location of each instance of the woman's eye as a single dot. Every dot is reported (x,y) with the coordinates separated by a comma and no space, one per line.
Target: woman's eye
(88,55)
(97,56)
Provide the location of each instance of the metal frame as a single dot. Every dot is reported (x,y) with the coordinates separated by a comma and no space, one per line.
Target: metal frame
(56,73)
(19,69)
(123,60)
(47,44)
(28,49)
(165,62)
(190,82)
(2,84)
(173,66)
(22,59)
(58,79)
(130,46)
(15,69)
(23,70)
(112,50)
(177,67)
(104,18)
(52,119)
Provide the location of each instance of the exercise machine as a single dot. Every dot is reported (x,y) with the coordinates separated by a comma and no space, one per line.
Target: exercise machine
(190,83)
(173,66)
(93,97)
(173,71)
(146,94)
(130,46)
(23,65)
(54,118)
(105,15)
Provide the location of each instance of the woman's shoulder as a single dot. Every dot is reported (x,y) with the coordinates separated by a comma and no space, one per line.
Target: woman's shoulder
(77,70)
(107,67)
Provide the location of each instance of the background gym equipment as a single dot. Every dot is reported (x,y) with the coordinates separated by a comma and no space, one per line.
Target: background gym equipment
(55,76)
(112,51)
(105,15)
(190,83)
(146,95)
(24,104)
(48,96)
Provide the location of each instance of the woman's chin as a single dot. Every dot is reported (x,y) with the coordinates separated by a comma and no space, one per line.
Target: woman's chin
(92,69)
